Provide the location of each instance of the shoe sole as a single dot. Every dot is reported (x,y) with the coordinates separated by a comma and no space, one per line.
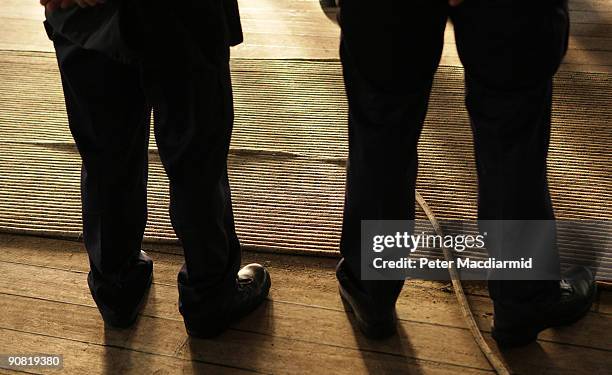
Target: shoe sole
(370,330)
(220,328)
(512,339)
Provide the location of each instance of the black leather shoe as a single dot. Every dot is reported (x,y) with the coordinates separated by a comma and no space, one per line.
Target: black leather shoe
(252,287)
(520,325)
(120,303)
(374,320)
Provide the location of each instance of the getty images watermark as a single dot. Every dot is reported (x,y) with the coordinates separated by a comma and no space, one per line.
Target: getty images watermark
(482,250)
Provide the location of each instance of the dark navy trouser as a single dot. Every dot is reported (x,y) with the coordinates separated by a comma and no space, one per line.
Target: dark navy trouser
(510,51)
(184,77)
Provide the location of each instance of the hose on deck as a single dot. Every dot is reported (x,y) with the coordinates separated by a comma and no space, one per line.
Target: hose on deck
(497,364)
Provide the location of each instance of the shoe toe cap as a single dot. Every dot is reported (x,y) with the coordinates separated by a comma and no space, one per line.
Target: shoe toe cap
(581,278)
(255,272)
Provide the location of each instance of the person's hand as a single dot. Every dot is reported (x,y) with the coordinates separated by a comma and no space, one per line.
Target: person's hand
(52,5)
(455,3)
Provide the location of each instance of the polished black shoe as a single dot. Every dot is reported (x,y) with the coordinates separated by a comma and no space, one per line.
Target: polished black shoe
(119,303)
(252,287)
(374,320)
(518,326)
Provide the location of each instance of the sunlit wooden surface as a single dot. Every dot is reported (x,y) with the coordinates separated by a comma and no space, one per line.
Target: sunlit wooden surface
(300,29)
(302,328)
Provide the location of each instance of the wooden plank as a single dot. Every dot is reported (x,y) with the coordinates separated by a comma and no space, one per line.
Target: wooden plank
(556,360)
(86,357)
(300,29)
(272,50)
(291,321)
(591,30)
(579,42)
(275,27)
(21,9)
(573,56)
(244,348)
(240,348)
(590,5)
(586,68)
(605,303)
(599,17)
(590,43)
(283,318)
(23,35)
(421,301)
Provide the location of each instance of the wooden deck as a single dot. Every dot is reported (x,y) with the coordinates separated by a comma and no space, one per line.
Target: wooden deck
(299,29)
(302,328)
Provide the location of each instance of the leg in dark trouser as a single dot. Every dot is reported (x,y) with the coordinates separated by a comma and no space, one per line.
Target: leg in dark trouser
(510,57)
(180,58)
(388,71)
(192,128)
(192,100)
(109,119)
(511,50)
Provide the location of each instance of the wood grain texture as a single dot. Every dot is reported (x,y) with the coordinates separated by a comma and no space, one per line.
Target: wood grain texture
(277,29)
(302,328)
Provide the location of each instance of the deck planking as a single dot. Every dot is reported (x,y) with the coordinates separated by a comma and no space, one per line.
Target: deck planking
(299,29)
(43,295)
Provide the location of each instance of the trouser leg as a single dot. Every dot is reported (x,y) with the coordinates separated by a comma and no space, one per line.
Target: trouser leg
(192,100)
(510,50)
(109,120)
(388,70)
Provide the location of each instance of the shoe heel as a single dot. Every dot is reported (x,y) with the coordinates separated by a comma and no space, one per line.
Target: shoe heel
(513,339)
(204,332)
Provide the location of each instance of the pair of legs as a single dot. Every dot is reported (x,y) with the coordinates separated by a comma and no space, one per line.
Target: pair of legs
(186,82)
(510,51)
